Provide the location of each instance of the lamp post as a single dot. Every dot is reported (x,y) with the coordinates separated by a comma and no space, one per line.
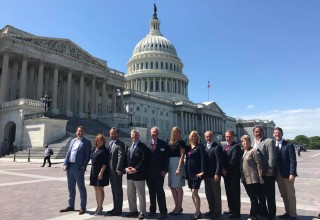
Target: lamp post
(130,113)
(46,100)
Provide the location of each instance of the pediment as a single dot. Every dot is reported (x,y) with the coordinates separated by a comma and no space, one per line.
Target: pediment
(62,46)
(212,106)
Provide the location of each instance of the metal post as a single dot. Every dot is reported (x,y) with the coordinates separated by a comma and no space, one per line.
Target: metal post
(29,155)
(14,153)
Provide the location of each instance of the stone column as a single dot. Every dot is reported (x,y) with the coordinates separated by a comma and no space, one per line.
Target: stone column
(55,110)
(142,85)
(23,79)
(166,86)
(31,86)
(160,85)
(4,78)
(202,124)
(69,113)
(154,84)
(81,97)
(148,85)
(182,126)
(93,114)
(104,95)
(14,80)
(113,93)
(40,81)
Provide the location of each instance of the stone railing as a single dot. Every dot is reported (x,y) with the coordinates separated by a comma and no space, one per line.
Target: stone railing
(23,101)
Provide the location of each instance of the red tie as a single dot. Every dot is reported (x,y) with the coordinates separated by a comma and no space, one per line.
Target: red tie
(153,147)
(227,147)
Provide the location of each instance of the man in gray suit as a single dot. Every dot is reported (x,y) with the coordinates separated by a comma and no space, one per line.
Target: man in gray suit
(75,163)
(268,152)
(116,168)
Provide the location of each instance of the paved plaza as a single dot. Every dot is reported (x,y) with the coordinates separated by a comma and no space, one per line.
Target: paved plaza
(28,191)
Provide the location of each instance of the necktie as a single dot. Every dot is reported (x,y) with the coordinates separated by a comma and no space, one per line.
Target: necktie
(110,145)
(227,147)
(153,144)
(208,146)
(131,150)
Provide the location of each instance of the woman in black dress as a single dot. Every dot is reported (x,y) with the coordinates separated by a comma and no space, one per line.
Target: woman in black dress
(99,176)
(195,169)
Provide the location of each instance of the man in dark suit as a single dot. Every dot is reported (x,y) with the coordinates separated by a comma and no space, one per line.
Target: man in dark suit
(75,163)
(231,174)
(267,150)
(116,169)
(136,168)
(212,173)
(157,170)
(287,172)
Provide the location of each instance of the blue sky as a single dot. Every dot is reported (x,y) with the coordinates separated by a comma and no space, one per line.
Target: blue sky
(261,57)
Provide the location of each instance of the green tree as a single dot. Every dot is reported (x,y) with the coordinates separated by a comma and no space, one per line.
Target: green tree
(314,142)
(302,139)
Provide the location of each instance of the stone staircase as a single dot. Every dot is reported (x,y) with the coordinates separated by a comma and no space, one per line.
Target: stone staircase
(60,147)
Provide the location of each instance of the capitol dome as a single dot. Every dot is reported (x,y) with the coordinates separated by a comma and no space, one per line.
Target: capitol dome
(155,67)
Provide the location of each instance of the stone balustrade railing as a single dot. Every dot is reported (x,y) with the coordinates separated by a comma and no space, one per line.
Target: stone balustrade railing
(23,101)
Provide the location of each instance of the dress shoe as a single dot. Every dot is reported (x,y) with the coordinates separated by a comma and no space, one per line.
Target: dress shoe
(132,214)
(68,209)
(285,215)
(194,217)
(82,211)
(42,166)
(163,215)
(141,216)
(110,211)
(208,213)
(233,216)
(227,212)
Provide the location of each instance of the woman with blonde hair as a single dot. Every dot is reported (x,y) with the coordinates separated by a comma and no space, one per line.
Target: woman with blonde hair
(251,174)
(99,175)
(195,160)
(176,169)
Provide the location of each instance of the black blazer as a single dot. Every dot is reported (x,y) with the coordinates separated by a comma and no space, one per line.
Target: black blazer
(213,160)
(287,161)
(159,159)
(139,161)
(232,159)
(195,160)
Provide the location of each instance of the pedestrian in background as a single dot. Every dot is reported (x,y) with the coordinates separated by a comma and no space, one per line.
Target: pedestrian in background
(47,154)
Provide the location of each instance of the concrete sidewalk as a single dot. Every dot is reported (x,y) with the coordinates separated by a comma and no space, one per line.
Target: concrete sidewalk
(29,191)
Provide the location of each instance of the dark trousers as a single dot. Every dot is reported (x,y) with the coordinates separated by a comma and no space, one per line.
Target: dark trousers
(117,191)
(267,194)
(45,159)
(253,191)
(232,186)
(213,194)
(156,193)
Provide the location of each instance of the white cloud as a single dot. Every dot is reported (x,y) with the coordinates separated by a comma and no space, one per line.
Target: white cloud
(293,122)
(250,106)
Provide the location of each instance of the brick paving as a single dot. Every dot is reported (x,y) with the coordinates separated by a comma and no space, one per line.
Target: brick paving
(28,191)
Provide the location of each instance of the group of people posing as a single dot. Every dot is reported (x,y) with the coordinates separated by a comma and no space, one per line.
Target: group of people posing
(258,164)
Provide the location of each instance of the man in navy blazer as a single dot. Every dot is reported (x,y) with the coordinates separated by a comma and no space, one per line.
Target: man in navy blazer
(75,163)
(231,174)
(157,170)
(287,172)
(136,169)
(212,173)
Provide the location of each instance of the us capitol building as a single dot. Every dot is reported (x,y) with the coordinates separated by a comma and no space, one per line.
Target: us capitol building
(38,72)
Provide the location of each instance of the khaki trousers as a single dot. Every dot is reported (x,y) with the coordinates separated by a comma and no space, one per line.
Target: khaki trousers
(288,194)
(135,187)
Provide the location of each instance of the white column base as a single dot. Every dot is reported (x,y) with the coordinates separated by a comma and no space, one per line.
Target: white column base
(69,113)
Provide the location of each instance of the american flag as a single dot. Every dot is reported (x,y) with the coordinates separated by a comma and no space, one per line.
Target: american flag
(209,85)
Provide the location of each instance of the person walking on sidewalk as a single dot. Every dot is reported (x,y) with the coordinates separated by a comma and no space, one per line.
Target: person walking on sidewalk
(47,154)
